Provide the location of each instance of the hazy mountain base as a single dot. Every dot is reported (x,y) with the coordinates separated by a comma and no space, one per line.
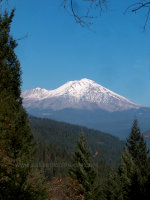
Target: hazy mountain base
(116,123)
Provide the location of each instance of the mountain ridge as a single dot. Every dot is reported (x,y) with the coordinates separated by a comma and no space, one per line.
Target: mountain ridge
(82,94)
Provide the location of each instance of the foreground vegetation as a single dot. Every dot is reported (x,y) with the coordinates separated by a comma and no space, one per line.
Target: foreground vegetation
(131,180)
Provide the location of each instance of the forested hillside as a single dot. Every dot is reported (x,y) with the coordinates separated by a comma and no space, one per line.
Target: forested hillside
(65,136)
(56,142)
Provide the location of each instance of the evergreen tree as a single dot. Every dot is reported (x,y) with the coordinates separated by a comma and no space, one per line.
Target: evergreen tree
(112,187)
(131,182)
(16,140)
(137,148)
(134,167)
(82,170)
(127,171)
(140,156)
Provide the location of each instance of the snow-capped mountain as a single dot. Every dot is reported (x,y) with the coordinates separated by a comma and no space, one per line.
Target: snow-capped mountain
(82,94)
(87,103)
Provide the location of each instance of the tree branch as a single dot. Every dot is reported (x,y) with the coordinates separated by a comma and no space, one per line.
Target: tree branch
(86,17)
(139,6)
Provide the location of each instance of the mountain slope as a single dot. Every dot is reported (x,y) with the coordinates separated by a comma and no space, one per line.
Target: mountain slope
(83,94)
(65,137)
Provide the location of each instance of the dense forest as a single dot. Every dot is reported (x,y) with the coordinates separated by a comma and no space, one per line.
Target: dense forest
(56,142)
(65,136)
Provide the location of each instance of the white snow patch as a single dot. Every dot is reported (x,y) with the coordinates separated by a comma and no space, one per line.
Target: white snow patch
(75,93)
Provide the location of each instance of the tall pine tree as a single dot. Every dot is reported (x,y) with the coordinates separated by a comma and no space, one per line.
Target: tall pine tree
(138,149)
(132,180)
(140,155)
(82,170)
(127,171)
(134,169)
(112,187)
(16,140)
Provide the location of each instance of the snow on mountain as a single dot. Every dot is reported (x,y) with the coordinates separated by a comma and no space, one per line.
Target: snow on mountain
(83,94)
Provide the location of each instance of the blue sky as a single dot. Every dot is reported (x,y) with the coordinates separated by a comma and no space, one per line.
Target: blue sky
(115,53)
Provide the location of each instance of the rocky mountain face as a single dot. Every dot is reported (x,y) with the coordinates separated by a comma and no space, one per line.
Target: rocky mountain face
(87,103)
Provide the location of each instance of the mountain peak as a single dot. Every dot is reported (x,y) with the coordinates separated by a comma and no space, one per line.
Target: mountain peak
(85,80)
(79,94)
(38,88)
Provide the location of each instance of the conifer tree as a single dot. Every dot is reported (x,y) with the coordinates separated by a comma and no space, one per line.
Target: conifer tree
(16,140)
(127,171)
(132,180)
(137,148)
(140,156)
(134,169)
(112,187)
(82,170)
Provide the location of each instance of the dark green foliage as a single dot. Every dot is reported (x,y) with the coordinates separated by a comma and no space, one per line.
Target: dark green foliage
(135,169)
(102,171)
(9,64)
(16,139)
(131,182)
(134,187)
(138,149)
(127,171)
(140,156)
(65,136)
(57,141)
(82,170)
(112,187)
(52,161)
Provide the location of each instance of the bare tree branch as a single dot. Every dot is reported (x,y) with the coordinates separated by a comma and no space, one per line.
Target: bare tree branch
(147,18)
(91,9)
(142,4)
(87,8)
